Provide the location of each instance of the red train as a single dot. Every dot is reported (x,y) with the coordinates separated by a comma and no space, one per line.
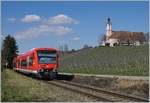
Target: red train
(43,62)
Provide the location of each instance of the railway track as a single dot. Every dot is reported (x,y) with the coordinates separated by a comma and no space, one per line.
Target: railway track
(96,93)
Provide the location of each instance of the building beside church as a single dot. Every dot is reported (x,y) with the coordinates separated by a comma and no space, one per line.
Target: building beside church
(114,38)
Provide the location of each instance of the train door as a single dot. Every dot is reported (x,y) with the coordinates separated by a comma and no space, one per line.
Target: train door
(30,62)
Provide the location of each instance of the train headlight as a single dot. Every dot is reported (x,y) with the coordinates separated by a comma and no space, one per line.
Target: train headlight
(54,70)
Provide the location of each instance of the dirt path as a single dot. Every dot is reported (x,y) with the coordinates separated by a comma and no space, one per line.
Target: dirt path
(111,76)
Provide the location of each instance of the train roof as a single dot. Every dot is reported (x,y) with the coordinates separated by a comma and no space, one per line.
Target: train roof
(43,49)
(35,49)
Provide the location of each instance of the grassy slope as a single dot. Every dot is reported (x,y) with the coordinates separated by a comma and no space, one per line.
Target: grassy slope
(105,60)
(19,88)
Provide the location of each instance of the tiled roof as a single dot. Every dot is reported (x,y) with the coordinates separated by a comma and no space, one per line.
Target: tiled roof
(126,35)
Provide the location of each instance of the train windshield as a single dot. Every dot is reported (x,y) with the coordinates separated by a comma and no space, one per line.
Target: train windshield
(46,57)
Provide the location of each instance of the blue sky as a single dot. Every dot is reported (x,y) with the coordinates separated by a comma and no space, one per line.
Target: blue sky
(50,24)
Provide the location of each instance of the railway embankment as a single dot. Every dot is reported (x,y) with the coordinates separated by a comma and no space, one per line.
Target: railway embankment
(130,85)
(123,69)
(17,87)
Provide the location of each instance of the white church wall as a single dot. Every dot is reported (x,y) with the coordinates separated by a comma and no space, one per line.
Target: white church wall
(113,41)
(137,43)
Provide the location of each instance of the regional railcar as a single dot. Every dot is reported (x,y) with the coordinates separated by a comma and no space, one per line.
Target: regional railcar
(43,62)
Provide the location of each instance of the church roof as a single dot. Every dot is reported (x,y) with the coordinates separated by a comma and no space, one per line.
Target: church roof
(127,35)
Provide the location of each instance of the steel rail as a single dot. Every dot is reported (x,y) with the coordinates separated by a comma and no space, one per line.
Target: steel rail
(118,95)
(77,90)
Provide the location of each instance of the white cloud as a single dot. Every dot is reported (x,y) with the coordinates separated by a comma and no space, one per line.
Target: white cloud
(12,19)
(52,26)
(76,38)
(43,30)
(31,18)
(61,19)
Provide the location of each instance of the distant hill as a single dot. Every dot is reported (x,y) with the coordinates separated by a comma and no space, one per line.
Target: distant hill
(125,60)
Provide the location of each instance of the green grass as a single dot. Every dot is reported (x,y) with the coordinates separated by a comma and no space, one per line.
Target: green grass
(123,60)
(16,87)
(19,88)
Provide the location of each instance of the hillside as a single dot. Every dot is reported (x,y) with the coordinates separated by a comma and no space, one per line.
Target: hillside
(123,60)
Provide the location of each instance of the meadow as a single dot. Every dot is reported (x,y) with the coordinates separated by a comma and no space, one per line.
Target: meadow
(121,60)
(17,87)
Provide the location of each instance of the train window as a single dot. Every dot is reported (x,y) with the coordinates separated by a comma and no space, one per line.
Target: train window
(47,53)
(23,63)
(31,61)
(46,57)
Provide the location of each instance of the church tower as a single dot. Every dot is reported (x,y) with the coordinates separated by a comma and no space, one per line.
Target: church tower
(108,28)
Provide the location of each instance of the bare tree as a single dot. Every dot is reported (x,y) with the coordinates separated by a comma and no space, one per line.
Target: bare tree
(85,46)
(101,39)
(66,48)
(61,48)
(147,37)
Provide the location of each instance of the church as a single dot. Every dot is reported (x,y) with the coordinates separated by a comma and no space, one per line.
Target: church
(116,38)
